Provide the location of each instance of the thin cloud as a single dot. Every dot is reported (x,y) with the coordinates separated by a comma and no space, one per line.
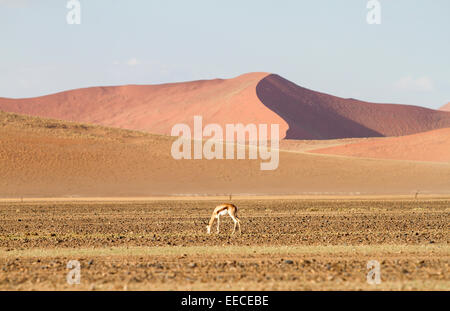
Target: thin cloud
(133,62)
(130,62)
(421,84)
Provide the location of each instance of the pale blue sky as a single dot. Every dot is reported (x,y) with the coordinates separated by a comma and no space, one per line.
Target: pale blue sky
(323,45)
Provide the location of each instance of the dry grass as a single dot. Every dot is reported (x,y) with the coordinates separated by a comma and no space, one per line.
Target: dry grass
(349,250)
(65,129)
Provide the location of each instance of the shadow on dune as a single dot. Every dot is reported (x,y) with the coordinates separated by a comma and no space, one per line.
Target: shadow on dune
(309,114)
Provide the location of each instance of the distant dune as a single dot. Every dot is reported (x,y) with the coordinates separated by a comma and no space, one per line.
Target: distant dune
(427,146)
(49,158)
(250,98)
(445,107)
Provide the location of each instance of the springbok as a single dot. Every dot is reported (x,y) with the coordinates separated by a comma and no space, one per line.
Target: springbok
(222,210)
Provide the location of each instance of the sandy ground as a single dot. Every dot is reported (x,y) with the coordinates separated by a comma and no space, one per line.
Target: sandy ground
(284,245)
(428,146)
(48,158)
(418,198)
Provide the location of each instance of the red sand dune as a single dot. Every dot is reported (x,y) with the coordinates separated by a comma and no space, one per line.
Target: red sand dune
(445,107)
(250,98)
(155,108)
(429,146)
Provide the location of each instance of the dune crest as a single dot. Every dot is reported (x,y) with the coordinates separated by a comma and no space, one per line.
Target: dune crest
(314,115)
(258,98)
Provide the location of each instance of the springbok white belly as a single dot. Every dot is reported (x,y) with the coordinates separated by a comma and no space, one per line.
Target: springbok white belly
(222,213)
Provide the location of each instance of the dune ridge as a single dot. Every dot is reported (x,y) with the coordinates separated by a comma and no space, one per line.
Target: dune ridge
(155,108)
(259,98)
(314,115)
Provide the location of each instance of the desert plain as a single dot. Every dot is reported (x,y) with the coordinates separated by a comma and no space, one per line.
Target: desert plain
(288,244)
(87,175)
